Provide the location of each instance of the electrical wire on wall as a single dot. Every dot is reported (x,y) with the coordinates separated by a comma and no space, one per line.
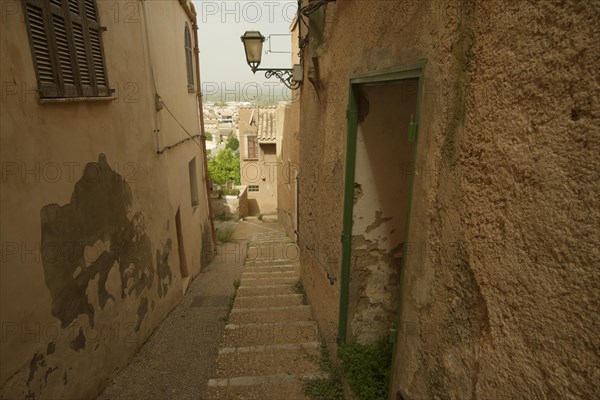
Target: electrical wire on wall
(159,102)
(330,276)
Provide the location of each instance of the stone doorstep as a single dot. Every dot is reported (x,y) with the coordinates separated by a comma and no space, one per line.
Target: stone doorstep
(263,380)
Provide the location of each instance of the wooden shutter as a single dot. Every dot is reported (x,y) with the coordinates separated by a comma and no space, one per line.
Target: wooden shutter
(65,59)
(94,41)
(252,147)
(38,23)
(66,44)
(80,49)
(189,63)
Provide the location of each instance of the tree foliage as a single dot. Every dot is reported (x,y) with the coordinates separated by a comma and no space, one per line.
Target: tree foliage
(232,143)
(224,167)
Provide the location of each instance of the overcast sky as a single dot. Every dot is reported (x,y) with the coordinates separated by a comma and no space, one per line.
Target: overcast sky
(220,25)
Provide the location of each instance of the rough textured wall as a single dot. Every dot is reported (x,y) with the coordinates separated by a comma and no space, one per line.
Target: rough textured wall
(380,205)
(288,169)
(89,246)
(501,289)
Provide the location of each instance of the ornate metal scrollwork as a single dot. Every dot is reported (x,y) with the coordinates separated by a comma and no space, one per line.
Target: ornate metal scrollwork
(284,75)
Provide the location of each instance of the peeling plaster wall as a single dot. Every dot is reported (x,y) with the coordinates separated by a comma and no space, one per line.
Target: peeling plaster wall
(288,170)
(501,290)
(382,188)
(89,246)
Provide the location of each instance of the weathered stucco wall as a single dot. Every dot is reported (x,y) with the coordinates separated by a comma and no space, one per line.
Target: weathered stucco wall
(288,170)
(381,192)
(261,172)
(89,247)
(501,288)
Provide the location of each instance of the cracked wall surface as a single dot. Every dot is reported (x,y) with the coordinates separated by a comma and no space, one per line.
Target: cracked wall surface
(90,263)
(501,287)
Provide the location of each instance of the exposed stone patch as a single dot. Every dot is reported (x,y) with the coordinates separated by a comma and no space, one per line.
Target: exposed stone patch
(163,270)
(36,362)
(379,220)
(358,192)
(141,312)
(78,343)
(48,372)
(135,261)
(374,280)
(98,213)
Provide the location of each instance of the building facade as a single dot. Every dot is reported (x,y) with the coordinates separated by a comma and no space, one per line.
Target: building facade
(105,214)
(452,146)
(260,131)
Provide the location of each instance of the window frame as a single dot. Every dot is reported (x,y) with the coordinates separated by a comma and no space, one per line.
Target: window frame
(189,58)
(193,177)
(73,57)
(247,155)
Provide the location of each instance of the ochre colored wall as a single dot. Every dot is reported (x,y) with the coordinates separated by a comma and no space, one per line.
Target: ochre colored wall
(383,155)
(500,293)
(263,171)
(90,260)
(288,168)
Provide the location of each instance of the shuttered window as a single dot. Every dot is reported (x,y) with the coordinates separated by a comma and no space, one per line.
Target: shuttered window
(66,45)
(251,148)
(189,63)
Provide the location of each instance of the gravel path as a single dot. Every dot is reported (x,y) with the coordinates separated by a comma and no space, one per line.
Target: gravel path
(271,342)
(179,358)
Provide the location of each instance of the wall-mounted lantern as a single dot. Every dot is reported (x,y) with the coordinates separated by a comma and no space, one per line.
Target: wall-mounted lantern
(253,44)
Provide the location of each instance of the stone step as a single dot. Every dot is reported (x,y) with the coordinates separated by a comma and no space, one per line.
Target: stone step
(269,281)
(266,289)
(273,268)
(272,251)
(266,391)
(273,262)
(245,335)
(269,315)
(263,235)
(287,359)
(277,300)
(272,274)
(271,347)
(268,253)
(272,241)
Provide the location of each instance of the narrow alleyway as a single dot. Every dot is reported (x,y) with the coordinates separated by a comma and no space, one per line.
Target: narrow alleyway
(178,360)
(270,342)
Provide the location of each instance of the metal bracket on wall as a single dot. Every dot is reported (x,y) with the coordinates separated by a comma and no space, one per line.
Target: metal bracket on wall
(412,130)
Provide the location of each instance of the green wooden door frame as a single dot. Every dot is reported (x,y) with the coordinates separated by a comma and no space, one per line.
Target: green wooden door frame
(405,72)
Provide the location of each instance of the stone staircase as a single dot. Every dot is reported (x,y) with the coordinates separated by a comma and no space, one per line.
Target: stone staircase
(270,343)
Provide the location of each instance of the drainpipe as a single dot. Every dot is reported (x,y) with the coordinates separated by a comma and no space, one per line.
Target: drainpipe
(191,12)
